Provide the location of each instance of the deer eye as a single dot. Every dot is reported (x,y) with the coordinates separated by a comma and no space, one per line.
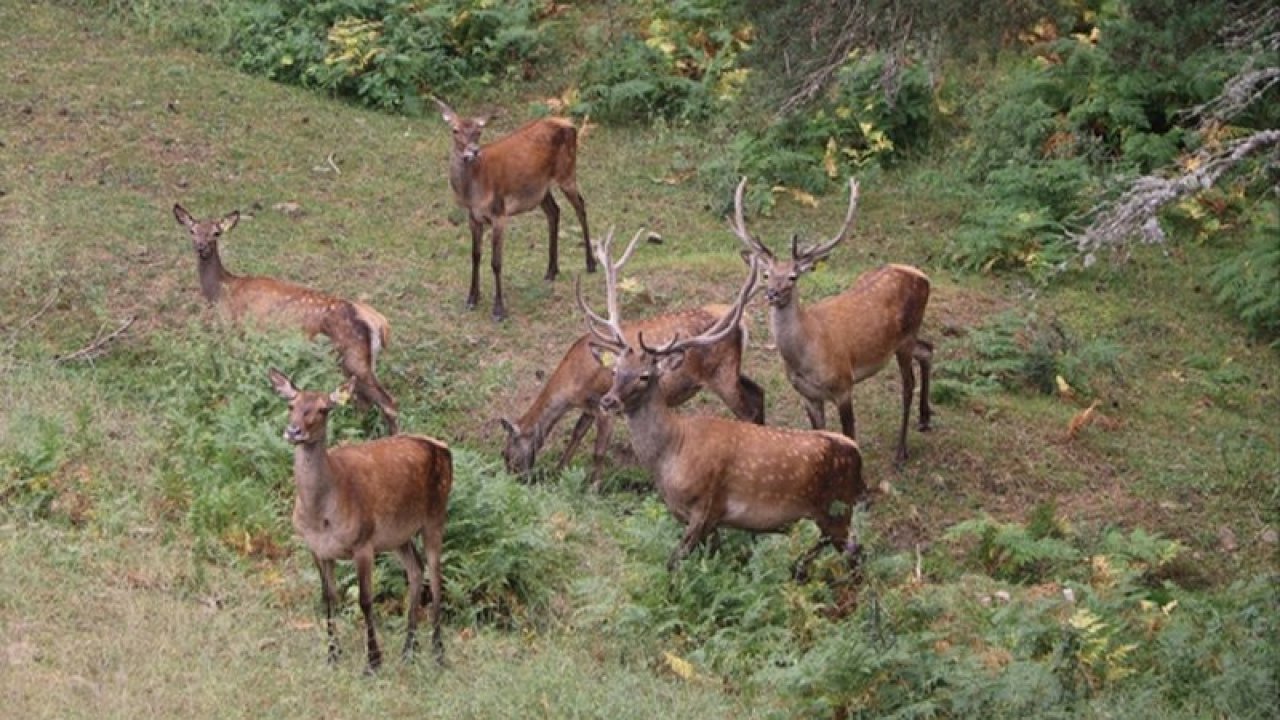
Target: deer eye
(793,276)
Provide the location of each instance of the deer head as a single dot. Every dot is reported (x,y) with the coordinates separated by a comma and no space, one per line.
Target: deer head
(466,132)
(308,411)
(636,370)
(205,233)
(781,275)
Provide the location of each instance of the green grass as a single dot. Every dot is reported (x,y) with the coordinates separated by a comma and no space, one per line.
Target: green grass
(114,603)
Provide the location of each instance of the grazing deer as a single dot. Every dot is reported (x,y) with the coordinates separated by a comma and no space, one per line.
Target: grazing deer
(713,472)
(510,176)
(579,382)
(356,501)
(357,331)
(832,344)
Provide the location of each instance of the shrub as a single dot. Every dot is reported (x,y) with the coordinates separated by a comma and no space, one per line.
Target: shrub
(682,67)
(385,53)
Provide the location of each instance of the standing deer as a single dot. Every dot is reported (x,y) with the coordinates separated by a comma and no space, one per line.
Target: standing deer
(356,501)
(510,176)
(713,472)
(832,344)
(357,331)
(579,382)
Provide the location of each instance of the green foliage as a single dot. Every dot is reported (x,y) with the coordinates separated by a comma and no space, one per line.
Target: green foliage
(880,110)
(683,66)
(27,473)
(1249,283)
(1015,552)
(507,548)
(1012,351)
(1106,102)
(386,53)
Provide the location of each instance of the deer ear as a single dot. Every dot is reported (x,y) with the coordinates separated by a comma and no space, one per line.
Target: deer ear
(183,217)
(228,222)
(603,355)
(283,385)
(670,362)
(510,427)
(446,112)
(343,393)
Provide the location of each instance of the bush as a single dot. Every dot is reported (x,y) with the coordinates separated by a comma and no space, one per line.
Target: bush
(682,67)
(386,53)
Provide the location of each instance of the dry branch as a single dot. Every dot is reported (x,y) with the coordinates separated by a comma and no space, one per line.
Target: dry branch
(98,346)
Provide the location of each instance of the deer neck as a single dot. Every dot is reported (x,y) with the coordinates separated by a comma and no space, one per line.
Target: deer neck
(212,277)
(788,324)
(313,479)
(542,416)
(654,434)
(462,178)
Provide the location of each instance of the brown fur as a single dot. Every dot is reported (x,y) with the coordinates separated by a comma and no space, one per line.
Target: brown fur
(579,382)
(509,176)
(356,501)
(829,346)
(714,472)
(357,331)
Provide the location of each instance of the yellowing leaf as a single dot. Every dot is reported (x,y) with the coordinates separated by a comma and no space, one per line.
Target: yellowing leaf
(678,665)
(829,159)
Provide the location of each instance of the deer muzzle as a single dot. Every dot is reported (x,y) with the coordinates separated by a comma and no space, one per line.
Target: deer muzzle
(294,435)
(611,403)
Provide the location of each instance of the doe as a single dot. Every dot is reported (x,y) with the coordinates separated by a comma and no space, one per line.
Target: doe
(357,331)
(509,176)
(356,501)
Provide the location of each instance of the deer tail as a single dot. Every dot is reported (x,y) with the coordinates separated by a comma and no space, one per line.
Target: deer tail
(379,328)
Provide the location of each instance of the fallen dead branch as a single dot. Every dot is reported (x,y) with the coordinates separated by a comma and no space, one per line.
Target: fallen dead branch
(99,345)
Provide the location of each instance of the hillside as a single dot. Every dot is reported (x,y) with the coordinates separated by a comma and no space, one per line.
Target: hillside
(144,487)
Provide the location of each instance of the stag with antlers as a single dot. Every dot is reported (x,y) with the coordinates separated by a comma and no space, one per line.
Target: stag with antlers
(715,472)
(832,344)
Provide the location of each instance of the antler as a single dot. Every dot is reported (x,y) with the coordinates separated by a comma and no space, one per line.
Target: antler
(820,251)
(718,329)
(613,324)
(739,226)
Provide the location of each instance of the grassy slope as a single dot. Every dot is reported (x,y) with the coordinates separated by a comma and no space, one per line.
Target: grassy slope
(105,613)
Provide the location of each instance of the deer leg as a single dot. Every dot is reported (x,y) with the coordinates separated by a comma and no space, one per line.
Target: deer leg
(329,595)
(694,533)
(499,229)
(364,575)
(604,430)
(575,438)
(817,415)
(847,422)
(908,387)
(477,251)
(552,211)
(412,562)
(923,354)
(580,208)
(432,544)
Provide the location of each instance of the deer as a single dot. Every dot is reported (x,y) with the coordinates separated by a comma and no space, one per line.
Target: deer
(357,332)
(579,382)
(714,472)
(510,176)
(355,501)
(829,346)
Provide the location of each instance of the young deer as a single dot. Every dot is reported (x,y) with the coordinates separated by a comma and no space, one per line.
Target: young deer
(357,331)
(832,344)
(359,500)
(579,382)
(510,176)
(713,472)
